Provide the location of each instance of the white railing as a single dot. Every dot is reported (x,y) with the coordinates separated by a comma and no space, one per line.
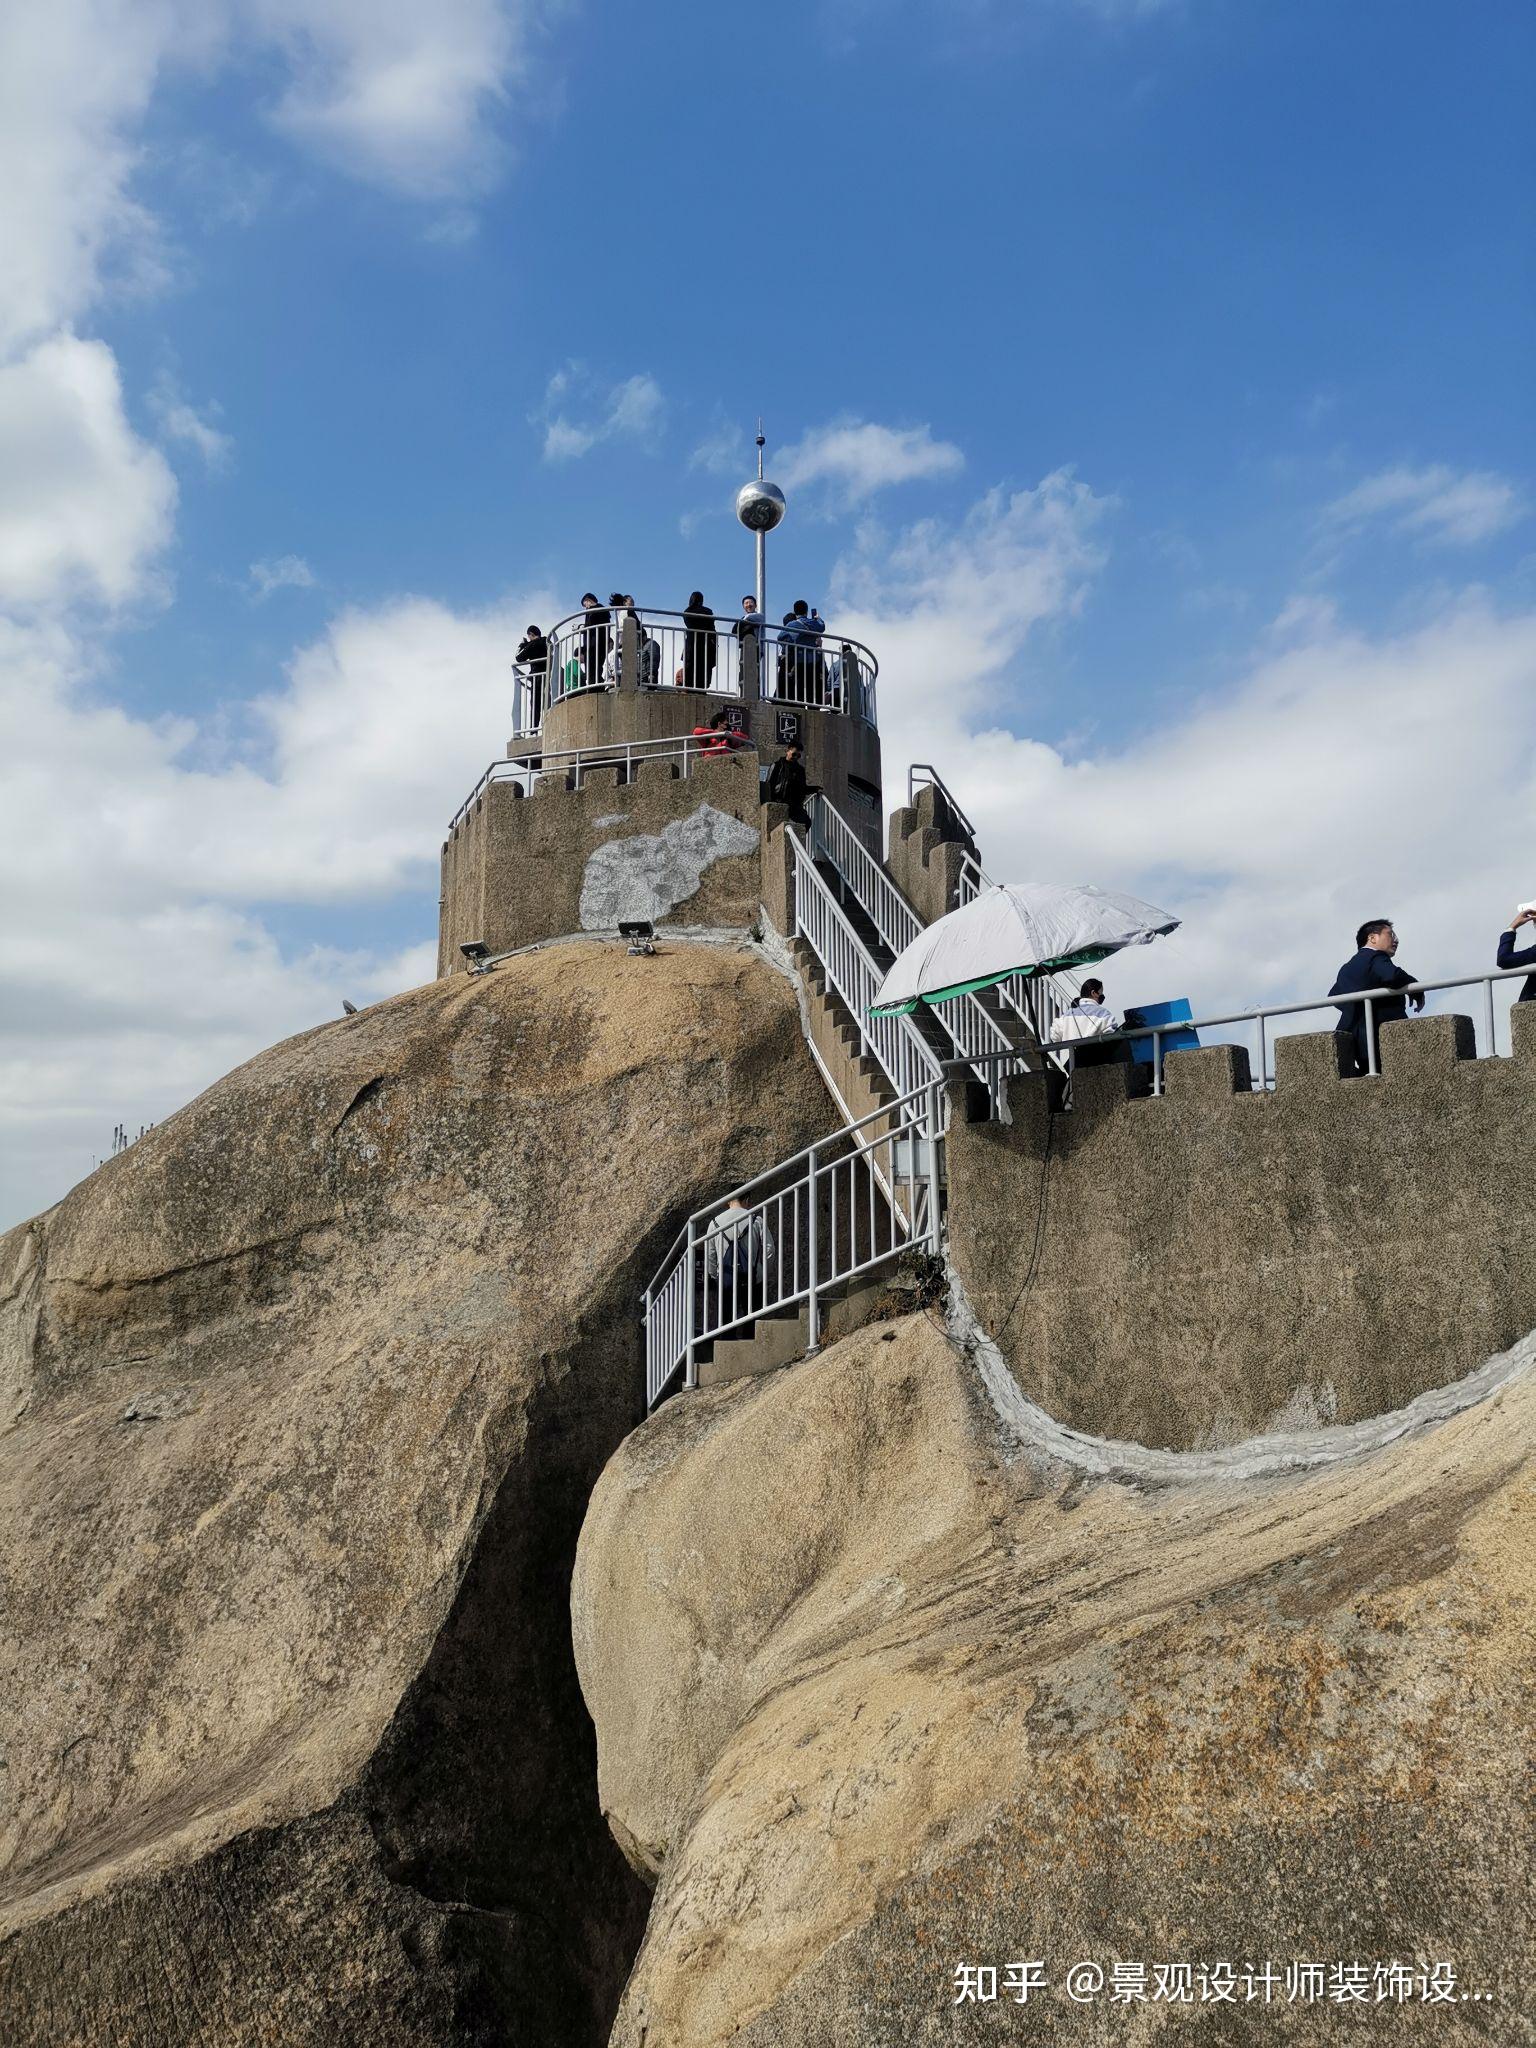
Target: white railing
(844,1206)
(659,650)
(969,1026)
(1036,1000)
(904,1056)
(1259,1022)
(578,764)
(923,775)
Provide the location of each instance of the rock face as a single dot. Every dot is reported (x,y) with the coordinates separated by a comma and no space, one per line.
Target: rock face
(301,1401)
(884,1686)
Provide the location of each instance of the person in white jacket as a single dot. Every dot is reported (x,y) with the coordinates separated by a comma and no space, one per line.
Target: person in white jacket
(738,1248)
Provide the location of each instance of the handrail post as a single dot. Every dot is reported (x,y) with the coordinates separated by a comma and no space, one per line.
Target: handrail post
(1493,1043)
(690,1319)
(1370,1035)
(645,1325)
(933,1167)
(813,1304)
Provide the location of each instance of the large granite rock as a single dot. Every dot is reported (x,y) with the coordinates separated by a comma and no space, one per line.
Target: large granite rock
(885,1684)
(301,1401)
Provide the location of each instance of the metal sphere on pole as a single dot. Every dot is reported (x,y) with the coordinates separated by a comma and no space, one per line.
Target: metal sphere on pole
(760,507)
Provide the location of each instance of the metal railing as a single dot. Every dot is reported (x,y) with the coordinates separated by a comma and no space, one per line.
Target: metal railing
(1036,1000)
(578,764)
(656,650)
(895,1043)
(923,775)
(853,1201)
(1259,1022)
(967,1023)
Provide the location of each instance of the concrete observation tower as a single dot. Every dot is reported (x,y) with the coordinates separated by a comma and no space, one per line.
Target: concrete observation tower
(609,804)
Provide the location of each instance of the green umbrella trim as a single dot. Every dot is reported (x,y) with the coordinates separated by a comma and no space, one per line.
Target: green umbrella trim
(1089,957)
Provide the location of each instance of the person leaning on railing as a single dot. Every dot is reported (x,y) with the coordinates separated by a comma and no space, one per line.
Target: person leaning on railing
(533,659)
(1371,967)
(1525,956)
(698,645)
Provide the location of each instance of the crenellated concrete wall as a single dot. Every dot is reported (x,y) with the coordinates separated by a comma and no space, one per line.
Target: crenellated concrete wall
(1213,1262)
(925,848)
(675,849)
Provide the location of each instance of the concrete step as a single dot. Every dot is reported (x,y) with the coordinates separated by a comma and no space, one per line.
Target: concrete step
(781,1340)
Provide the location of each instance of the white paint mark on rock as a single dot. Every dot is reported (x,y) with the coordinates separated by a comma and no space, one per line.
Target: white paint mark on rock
(650,874)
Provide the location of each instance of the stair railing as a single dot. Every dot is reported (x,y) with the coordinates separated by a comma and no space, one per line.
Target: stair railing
(971,1029)
(922,774)
(843,1207)
(894,1043)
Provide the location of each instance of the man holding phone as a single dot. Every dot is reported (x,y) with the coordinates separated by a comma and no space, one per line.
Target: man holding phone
(1526,956)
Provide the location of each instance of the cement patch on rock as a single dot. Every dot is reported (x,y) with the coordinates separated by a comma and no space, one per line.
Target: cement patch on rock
(649,875)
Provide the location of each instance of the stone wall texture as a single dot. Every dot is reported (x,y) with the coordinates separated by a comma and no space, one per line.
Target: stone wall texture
(883,1686)
(675,849)
(301,1402)
(1190,1269)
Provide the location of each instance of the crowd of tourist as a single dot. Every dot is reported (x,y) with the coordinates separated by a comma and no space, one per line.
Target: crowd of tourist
(801,670)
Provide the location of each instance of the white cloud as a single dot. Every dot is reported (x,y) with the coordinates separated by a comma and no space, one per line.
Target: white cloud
(1436,504)
(85,506)
(947,609)
(856,458)
(409,98)
(179,420)
(630,410)
(723,451)
(288,572)
(137,957)
(402,95)
(1334,776)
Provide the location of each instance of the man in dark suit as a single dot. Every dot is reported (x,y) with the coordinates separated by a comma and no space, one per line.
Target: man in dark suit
(1525,957)
(1372,967)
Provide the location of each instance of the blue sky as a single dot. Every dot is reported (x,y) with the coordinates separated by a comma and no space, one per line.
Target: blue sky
(1151,384)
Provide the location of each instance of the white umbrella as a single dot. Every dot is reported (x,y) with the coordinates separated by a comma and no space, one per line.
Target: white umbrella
(1016,928)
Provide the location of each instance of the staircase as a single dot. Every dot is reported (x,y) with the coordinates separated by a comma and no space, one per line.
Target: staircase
(841,1214)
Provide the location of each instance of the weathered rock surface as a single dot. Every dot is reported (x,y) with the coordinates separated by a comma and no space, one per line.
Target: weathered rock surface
(883,1687)
(301,1401)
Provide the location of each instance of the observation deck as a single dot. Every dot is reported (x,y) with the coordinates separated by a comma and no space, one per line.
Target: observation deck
(644,676)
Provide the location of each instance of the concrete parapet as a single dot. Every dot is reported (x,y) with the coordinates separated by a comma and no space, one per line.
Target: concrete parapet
(1225,1260)
(778,894)
(1522,1028)
(1309,1060)
(1098,1090)
(1414,1049)
(926,848)
(1207,1072)
(657,771)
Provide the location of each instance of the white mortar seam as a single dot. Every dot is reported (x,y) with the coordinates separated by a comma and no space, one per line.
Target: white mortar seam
(1032,1432)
